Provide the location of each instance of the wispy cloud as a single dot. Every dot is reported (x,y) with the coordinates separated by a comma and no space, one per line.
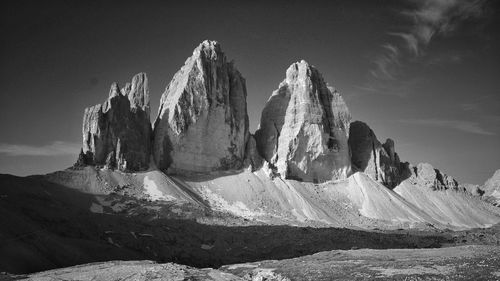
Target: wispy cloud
(478,104)
(460,125)
(386,62)
(444,59)
(56,148)
(400,88)
(428,19)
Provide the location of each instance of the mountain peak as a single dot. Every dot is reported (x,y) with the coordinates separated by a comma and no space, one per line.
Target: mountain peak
(202,124)
(304,128)
(117,133)
(209,49)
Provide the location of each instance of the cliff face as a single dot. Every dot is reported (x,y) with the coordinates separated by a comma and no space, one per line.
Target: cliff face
(378,161)
(304,128)
(117,133)
(491,189)
(426,175)
(202,123)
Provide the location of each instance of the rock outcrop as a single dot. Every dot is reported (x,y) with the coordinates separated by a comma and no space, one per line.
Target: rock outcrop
(493,183)
(304,128)
(379,161)
(473,189)
(117,133)
(252,156)
(425,174)
(202,124)
(491,189)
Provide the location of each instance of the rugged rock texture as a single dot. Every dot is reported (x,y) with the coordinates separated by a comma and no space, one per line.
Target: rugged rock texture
(117,133)
(430,177)
(132,270)
(379,161)
(304,128)
(252,157)
(473,189)
(491,189)
(202,123)
(493,183)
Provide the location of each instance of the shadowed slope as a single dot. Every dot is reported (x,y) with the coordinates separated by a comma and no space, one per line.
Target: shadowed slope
(54,226)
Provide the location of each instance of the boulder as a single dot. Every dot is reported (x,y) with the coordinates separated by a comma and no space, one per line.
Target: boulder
(378,161)
(117,133)
(202,123)
(304,128)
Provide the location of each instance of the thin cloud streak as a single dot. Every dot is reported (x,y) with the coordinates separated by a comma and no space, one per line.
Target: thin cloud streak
(56,148)
(397,88)
(429,19)
(460,125)
(438,17)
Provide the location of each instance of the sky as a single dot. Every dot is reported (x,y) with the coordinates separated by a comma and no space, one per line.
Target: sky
(424,73)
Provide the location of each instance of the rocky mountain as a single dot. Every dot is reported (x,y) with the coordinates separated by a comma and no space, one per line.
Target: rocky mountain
(491,188)
(304,128)
(426,175)
(308,180)
(117,133)
(379,161)
(202,124)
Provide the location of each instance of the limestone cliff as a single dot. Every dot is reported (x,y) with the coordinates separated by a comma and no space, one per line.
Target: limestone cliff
(491,189)
(426,175)
(117,133)
(304,128)
(379,161)
(202,124)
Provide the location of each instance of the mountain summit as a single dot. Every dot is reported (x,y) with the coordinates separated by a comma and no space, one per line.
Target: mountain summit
(202,124)
(307,163)
(304,128)
(117,133)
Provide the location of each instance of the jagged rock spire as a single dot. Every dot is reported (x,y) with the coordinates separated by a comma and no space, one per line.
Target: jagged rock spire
(117,133)
(202,123)
(378,161)
(304,128)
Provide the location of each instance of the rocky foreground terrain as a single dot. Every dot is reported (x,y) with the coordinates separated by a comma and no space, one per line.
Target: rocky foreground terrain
(208,200)
(456,263)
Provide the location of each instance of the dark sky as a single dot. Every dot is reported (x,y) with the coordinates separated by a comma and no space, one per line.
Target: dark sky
(424,73)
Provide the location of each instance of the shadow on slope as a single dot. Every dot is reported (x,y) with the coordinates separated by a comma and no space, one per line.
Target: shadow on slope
(46,225)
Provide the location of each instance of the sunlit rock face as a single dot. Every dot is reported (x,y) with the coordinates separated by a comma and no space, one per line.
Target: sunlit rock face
(426,175)
(202,124)
(304,128)
(117,133)
(378,161)
(491,189)
(492,185)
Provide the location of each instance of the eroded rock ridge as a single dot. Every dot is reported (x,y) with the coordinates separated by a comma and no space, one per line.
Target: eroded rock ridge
(202,124)
(117,133)
(304,128)
(379,161)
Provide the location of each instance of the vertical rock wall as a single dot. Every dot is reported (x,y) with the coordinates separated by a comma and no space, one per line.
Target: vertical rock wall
(202,124)
(304,128)
(117,133)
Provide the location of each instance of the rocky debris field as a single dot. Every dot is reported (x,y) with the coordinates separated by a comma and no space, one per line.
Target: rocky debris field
(52,226)
(456,263)
(453,263)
